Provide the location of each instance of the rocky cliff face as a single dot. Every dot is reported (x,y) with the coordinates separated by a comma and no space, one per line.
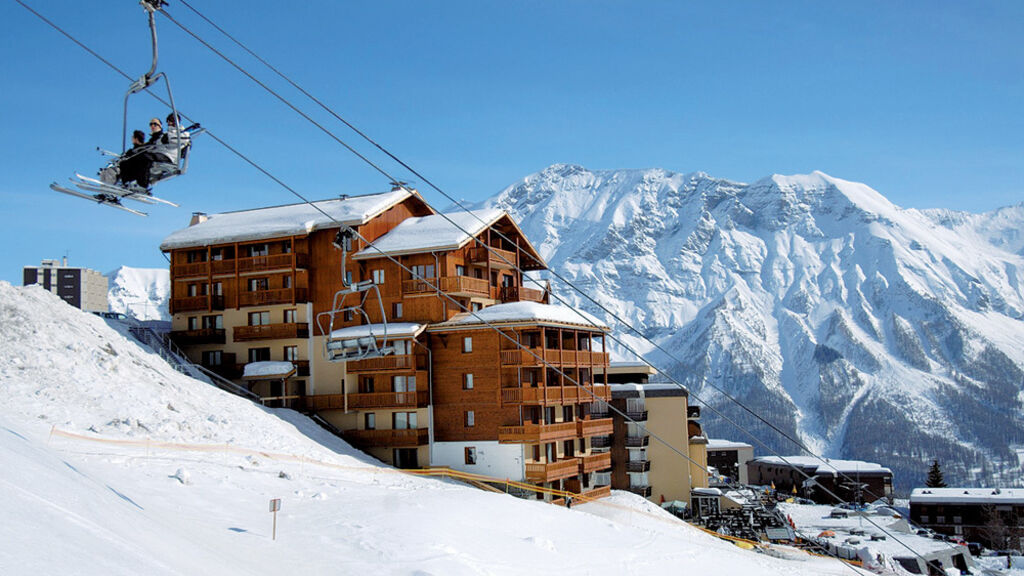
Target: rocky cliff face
(866,330)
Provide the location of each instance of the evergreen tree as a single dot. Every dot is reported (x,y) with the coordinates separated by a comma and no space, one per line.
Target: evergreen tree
(935,479)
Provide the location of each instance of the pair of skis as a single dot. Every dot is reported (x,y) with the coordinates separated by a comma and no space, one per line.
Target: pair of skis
(109,194)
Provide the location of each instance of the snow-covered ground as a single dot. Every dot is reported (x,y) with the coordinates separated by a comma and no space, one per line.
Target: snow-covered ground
(125,500)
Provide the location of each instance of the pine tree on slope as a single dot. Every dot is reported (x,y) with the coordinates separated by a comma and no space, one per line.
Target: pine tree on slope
(935,479)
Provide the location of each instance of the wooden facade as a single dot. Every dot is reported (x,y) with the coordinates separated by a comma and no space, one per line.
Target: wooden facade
(268,299)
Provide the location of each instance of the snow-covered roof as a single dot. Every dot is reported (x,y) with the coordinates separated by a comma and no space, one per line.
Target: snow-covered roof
(719,444)
(267,370)
(524,312)
(431,233)
(826,466)
(968,495)
(393,329)
(279,221)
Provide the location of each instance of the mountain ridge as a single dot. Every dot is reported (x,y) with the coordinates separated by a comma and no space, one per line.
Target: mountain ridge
(813,298)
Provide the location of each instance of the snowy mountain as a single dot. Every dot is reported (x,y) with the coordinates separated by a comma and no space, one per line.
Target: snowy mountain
(141,293)
(866,330)
(113,463)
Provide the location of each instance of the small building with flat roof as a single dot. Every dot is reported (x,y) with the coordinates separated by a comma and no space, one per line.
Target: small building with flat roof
(730,459)
(824,480)
(992,516)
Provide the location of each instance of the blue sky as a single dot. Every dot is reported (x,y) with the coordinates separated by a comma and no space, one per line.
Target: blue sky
(920,100)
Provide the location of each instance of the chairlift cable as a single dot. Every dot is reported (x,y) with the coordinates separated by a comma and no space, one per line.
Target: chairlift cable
(392,259)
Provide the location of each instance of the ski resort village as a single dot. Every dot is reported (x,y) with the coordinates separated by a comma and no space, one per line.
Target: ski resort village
(269,334)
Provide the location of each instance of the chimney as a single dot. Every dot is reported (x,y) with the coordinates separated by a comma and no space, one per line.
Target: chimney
(197,218)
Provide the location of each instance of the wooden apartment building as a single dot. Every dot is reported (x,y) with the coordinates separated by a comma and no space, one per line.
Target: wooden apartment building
(481,374)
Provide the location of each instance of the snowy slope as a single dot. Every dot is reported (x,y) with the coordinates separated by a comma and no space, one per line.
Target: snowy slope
(141,293)
(868,331)
(107,507)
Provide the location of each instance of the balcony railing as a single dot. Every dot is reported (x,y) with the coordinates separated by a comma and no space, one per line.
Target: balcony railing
(391,438)
(271,331)
(644,491)
(533,356)
(497,257)
(198,336)
(637,441)
(638,466)
(521,294)
(384,363)
(455,285)
(536,433)
(272,262)
(190,304)
(551,471)
(369,400)
(600,427)
(548,395)
(192,269)
(601,442)
(636,415)
(319,402)
(595,462)
(280,296)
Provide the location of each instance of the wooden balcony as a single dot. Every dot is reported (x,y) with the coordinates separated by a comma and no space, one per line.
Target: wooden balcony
(410,438)
(536,433)
(521,294)
(533,356)
(271,332)
(199,336)
(452,285)
(496,257)
(190,304)
(552,471)
(386,363)
(373,400)
(190,270)
(319,402)
(264,297)
(603,391)
(272,262)
(548,395)
(601,427)
(222,267)
(595,462)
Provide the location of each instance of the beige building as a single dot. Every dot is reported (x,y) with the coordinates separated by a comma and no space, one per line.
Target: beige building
(658,447)
(80,287)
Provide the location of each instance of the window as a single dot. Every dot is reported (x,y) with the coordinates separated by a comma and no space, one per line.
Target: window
(213,358)
(476,306)
(940,519)
(460,270)
(403,383)
(214,322)
(470,455)
(396,310)
(196,256)
(258,250)
(403,420)
(467,381)
(346,243)
(958,520)
(378,276)
(259,354)
(365,384)
(257,284)
(289,316)
(259,318)
(467,344)
(470,419)
(346,315)
(193,290)
(218,289)
(286,282)
(291,353)
(370,421)
(193,322)
(423,271)
(286,247)
(508,281)
(924,519)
